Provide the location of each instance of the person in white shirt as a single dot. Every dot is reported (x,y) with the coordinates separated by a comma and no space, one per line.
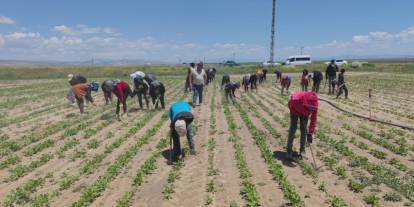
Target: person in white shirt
(198,79)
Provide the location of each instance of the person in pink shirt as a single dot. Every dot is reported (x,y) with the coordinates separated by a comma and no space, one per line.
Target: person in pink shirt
(304,81)
(122,91)
(302,105)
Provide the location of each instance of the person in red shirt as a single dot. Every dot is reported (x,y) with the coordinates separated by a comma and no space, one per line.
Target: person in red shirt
(122,91)
(304,82)
(302,105)
(285,83)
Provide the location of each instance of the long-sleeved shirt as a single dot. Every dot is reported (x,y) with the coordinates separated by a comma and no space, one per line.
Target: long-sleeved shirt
(119,90)
(304,79)
(107,86)
(341,79)
(331,70)
(181,110)
(305,104)
(81,89)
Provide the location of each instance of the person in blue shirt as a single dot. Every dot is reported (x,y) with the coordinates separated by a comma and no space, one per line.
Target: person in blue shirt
(181,119)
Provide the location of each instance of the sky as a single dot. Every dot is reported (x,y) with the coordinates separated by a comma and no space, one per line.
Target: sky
(214,30)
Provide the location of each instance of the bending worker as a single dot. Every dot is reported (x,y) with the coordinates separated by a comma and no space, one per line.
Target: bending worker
(181,119)
(83,90)
(302,105)
(122,91)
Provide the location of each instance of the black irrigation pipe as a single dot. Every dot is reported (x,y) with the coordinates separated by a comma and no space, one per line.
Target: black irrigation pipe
(361,116)
(365,117)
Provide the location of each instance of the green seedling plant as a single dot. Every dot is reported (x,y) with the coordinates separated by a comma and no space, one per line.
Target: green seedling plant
(146,169)
(248,189)
(372,200)
(275,169)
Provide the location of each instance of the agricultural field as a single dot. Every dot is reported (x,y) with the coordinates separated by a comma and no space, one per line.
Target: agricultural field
(50,155)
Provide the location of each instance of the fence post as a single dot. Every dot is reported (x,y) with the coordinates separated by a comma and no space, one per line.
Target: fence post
(370,102)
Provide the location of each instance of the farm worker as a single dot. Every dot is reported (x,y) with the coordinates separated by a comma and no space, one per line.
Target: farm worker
(107,87)
(73,80)
(211,73)
(317,79)
(181,119)
(198,79)
(264,73)
(253,82)
(341,84)
(149,78)
(157,91)
(330,75)
(302,105)
(245,82)
(137,73)
(278,75)
(225,80)
(259,76)
(187,80)
(122,91)
(304,82)
(229,89)
(82,90)
(285,83)
(141,90)
(71,95)
(76,79)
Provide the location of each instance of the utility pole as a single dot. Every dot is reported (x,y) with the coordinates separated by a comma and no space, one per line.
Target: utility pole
(234,56)
(272,37)
(301,50)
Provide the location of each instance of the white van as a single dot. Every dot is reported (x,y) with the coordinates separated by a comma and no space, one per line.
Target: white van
(299,60)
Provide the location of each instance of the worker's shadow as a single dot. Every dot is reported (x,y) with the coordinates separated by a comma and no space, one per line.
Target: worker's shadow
(107,117)
(167,156)
(133,110)
(282,156)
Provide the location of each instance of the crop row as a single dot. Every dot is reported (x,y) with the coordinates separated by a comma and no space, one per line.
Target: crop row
(48,143)
(93,191)
(275,169)
(380,173)
(174,173)
(306,169)
(211,145)
(146,169)
(92,164)
(248,189)
(22,195)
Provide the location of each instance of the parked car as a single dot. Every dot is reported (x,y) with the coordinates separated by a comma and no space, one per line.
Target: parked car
(268,64)
(230,63)
(338,62)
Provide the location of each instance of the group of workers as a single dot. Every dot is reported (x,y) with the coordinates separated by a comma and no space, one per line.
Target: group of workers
(303,105)
(144,85)
(333,79)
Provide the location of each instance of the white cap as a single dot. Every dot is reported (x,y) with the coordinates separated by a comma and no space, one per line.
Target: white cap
(180,128)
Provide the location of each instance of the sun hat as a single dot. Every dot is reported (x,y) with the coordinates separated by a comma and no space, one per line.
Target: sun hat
(180,128)
(70,76)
